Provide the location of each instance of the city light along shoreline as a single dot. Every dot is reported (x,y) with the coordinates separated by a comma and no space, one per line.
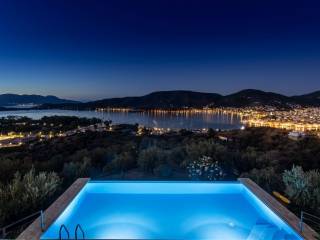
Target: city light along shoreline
(299,119)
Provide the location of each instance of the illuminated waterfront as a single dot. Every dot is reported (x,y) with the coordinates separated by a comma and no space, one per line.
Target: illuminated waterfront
(182,119)
(299,119)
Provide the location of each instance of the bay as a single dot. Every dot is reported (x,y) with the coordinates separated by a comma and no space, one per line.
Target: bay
(172,120)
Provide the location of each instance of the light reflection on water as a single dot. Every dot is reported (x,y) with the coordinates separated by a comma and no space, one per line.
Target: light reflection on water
(172,120)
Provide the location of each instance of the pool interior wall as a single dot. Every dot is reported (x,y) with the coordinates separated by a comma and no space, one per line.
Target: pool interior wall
(170,210)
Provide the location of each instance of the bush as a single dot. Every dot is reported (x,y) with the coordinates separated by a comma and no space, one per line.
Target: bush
(150,158)
(163,171)
(303,187)
(267,178)
(124,161)
(27,193)
(205,169)
(74,170)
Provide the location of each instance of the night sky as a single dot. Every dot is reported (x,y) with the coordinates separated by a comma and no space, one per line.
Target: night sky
(97,49)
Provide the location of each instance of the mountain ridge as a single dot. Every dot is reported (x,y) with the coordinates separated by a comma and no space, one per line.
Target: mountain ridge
(10,99)
(312,98)
(190,99)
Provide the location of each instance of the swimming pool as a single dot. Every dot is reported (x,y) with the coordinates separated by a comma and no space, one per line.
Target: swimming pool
(170,210)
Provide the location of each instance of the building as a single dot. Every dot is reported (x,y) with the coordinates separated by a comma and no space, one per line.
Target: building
(295,135)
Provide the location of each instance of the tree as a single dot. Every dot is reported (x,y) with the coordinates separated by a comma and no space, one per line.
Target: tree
(267,178)
(74,170)
(27,193)
(98,156)
(150,158)
(296,183)
(124,161)
(303,187)
(163,171)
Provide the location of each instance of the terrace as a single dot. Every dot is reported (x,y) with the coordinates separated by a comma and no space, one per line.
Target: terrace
(167,210)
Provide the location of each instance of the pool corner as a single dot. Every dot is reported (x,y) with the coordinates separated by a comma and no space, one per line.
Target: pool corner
(292,220)
(34,231)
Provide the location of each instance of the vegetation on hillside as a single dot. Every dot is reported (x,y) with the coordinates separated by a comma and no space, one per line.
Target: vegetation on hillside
(54,124)
(33,176)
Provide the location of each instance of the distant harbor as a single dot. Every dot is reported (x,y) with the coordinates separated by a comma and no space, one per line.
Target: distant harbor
(160,119)
(298,119)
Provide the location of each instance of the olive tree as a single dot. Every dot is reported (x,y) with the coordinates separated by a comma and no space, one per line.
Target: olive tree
(26,193)
(303,187)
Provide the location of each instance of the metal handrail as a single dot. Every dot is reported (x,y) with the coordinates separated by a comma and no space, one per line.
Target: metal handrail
(310,219)
(60,231)
(76,232)
(4,229)
(42,221)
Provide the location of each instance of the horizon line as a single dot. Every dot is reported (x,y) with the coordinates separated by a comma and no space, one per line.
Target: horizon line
(176,90)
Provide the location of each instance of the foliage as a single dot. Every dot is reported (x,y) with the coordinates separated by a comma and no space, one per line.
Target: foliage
(262,154)
(27,193)
(267,178)
(124,161)
(149,158)
(205,169)
(303,187)
(45,124)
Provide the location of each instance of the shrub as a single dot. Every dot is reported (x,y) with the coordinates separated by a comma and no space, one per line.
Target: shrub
(124,161)
(150,158)
(267,178)
(303,187)
(205,169)
(163,171)
(73,170)
(27,193)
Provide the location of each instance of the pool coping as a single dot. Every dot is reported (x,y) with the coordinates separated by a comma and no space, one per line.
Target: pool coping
(33,231)
(285,214)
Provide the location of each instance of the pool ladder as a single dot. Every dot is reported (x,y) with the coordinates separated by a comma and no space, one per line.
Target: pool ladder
(63,227)
(78,227)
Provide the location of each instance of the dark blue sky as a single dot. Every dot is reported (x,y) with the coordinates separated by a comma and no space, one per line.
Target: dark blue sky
(94,49)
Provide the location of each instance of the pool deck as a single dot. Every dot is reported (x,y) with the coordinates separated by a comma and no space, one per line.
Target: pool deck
(287,216)
(52,213)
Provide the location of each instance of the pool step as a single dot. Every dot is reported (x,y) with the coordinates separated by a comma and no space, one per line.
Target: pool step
(262,232)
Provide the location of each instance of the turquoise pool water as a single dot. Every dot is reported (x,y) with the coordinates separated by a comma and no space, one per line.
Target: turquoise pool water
(170,210)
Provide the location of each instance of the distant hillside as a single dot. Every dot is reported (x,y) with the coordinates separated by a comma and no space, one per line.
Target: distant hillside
(164,99)
(253,97)
(312,99)
(10,100)
(181,99)
(159,100)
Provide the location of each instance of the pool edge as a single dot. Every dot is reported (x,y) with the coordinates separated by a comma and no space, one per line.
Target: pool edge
(285,214)
(33,231)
